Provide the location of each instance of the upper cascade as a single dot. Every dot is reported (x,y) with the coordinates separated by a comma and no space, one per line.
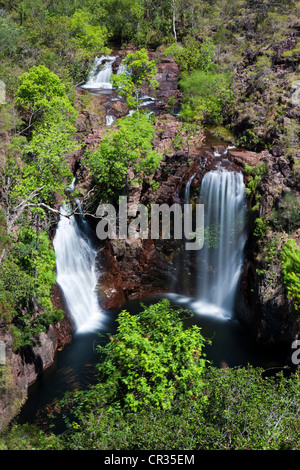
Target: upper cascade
(99,76)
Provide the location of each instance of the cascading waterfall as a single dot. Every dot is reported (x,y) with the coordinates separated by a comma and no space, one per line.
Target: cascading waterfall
(76,272)
(101,78)
(221,258)
(110,119)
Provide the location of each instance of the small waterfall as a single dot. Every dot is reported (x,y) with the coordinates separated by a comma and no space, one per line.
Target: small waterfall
(123,68)
(100,73)
(110,119)
(76,272)
(187,190)
(221,258)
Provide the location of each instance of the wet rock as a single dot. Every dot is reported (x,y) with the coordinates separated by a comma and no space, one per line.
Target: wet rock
(24,368)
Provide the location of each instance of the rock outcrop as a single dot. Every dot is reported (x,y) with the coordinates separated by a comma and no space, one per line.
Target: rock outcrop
(22,369)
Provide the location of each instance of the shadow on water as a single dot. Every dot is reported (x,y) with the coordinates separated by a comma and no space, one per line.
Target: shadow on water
(75,366)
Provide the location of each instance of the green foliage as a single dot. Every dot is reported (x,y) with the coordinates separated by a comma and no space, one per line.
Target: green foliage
(10,35)
(35,169)
(290,257)
(27,278)
(242,411)
(249,139)
(287,215)
(293,55)
(27,437)
(86,36)
(45,163)
(122,17)
(140,71)
(38,87)
(269,255)
(128,146)
(261,227)
(205,97)
(152,359)
(256,173)
(193,55)
(186,132)
(247,412)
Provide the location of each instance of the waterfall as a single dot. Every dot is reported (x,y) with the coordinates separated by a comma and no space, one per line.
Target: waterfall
(123,68)
(221,258)
(110,119)
(100,73)
(187,190)
(76,272)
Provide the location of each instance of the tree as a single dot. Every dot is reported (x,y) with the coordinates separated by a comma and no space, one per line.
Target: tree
(128,146)
(38,87)
(140,71)
(122,17)
(40,171)
(193,55)
(152,358)
(86,36)
(205,97)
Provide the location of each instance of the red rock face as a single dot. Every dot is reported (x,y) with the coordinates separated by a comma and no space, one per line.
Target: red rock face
(131,269)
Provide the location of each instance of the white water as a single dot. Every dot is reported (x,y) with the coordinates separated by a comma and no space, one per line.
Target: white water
(101,78)
(221,258)
(110,119)
(123,69)
(76,273)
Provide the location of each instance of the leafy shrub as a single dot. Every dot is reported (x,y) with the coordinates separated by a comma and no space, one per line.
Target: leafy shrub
(128,146)
(205,96)
(152,359)
(290,257)
(27,278)
(193,55)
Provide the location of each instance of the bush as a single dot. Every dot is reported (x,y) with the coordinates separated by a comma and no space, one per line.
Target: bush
(193,55)
(128,146)
(290,257)
(152,359)
(205,97)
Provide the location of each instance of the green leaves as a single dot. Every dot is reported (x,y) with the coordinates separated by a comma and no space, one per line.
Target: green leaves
(153,358)
(194,55)
(34,171)
(40,170)
(37,88)
(205,97)
(86,36)
(142,72)
(27,278)
(128,146)
(290,257)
